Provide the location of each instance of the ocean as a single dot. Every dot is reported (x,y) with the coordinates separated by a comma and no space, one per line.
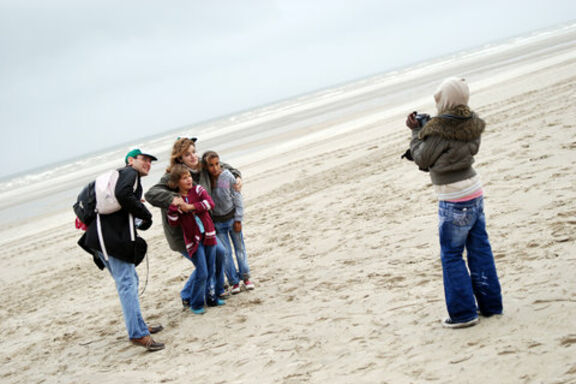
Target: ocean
(273,129)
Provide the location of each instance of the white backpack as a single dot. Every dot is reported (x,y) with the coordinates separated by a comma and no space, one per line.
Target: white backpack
(104,188)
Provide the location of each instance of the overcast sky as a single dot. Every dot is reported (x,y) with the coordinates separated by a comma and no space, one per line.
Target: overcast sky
(80,76)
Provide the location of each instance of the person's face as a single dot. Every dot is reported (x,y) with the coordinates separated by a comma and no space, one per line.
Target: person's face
(190,158)
(213,166)
(185,183)
(140,163)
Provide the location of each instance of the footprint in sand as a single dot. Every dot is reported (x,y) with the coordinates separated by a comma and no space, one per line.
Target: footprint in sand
(568,340)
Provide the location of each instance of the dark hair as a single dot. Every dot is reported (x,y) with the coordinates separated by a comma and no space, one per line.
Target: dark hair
(176,173)
(208,155)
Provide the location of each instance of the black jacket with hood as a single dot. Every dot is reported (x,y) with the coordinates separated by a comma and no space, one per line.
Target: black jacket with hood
(116,228)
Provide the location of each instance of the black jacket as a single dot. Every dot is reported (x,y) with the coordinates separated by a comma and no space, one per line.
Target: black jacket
(116,226)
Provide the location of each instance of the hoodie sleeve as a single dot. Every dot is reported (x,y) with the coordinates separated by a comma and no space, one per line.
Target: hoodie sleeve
(206,203)
(426,152)
(238,203)
(160,195)
(173,216)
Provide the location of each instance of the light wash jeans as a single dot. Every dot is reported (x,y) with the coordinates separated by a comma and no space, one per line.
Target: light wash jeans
(225,232)
(463,225)
(126,278)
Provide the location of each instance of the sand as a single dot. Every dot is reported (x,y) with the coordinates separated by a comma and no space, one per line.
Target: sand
(342,241)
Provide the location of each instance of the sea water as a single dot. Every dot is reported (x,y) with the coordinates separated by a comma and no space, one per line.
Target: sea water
(53,188)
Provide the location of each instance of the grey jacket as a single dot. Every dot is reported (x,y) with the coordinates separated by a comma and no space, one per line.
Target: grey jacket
(226,198)
(161,196)
(446,145)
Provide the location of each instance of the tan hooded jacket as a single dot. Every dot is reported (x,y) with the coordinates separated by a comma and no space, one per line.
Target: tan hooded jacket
(446,145)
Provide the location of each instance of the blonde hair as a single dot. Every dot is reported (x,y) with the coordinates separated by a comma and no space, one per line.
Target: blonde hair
(176,173)
(179,149)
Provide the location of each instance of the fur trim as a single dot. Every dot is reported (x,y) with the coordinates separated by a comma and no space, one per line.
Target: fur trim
(464,126)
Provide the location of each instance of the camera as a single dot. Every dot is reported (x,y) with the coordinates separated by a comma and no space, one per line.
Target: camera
(422,118)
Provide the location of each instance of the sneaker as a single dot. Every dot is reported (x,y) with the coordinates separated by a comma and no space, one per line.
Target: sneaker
(216,303)
(185,303)
(199,311)
(235,289)
(248,284)
(449,323)
(225,294)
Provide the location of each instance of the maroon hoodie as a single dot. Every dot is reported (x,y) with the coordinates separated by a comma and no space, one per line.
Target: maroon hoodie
(203,203)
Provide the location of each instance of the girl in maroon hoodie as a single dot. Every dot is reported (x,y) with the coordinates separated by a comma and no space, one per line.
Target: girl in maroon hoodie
(200,237)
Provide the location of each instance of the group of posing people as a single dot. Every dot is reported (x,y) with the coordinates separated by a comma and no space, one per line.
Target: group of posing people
(202,211)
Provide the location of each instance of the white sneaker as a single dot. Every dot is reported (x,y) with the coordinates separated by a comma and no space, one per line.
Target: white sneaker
(235,289)
(248,284)
(449,323)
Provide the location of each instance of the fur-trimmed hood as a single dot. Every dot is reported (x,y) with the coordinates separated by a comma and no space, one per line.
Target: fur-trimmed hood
(458,123)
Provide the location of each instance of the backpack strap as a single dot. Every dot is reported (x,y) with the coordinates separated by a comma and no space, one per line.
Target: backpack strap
(130,217)
(100,237)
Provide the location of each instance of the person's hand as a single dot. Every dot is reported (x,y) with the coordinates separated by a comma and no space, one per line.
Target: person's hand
(145,225)
(411,121)
(177,200)
(184,207)
(238,185)
(237,226)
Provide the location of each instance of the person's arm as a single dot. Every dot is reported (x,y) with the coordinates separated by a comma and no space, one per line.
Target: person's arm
(160,195)
(426,152)
(127,197)
(206,203)
(173,215)
(236,173)
(238,208)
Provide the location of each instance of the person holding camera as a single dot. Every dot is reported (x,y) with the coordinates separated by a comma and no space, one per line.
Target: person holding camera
(445,146)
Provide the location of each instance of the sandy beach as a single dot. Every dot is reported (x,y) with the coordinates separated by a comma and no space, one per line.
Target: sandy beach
(342,242)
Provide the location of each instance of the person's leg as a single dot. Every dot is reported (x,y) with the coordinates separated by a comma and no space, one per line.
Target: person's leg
(212,299)
(223,230)
(210,254)
(198,293)
(482,267)
(241,256)
(220,266)
(455,220)
(186,292)
(126,279)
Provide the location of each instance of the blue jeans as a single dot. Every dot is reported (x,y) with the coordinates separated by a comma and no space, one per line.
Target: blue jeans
(200,287)
(126,278)
(219,269)
(463,225)
(225,232)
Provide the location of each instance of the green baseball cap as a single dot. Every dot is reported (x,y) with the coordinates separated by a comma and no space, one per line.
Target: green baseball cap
(135,152)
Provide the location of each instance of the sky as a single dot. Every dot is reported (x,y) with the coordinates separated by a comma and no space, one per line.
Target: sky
(79,76)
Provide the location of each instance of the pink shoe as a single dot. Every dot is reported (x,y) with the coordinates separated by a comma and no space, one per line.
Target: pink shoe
(248,284)
(235,289)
